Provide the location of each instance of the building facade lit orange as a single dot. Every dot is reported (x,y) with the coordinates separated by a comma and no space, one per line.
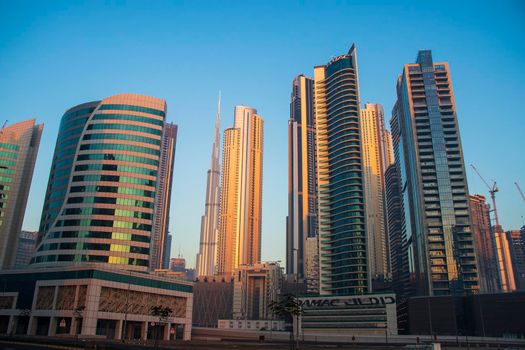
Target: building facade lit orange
(239,241)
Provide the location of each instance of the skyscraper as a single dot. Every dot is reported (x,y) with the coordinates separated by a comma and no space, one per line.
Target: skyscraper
(18,150)
(377,156)
(207,257)
(100,200)
(484,243)
(516,239)
(398,244)
(160,242)
(301,222)
(239,241)
(343,265)
(434,183)
(26,248)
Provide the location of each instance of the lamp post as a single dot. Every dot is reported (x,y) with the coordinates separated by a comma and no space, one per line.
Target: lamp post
(296,276)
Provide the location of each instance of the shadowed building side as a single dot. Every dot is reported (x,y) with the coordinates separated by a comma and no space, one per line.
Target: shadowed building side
(18,150)
(160,242)
(301,222)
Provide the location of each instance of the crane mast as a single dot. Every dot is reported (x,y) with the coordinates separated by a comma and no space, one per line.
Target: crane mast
(520,191)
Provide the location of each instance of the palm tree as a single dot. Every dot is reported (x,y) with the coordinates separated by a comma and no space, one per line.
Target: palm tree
(288,307)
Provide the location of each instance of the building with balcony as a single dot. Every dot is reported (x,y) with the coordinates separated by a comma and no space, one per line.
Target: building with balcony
(434,187)
(343,252)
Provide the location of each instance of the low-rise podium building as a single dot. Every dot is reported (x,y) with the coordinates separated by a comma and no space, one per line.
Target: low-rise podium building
(93,301)
(373,314)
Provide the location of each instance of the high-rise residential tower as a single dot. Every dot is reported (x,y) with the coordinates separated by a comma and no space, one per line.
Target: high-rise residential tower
(377,156)
(18,150)
(397,240)
(343,260)
(434,183)
(207,257)
(301,222)
(239,241)
(26,248)
(484,243)
(100,201)
(160,247)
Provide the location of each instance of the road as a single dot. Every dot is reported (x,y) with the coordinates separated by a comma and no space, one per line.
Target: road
(199,345)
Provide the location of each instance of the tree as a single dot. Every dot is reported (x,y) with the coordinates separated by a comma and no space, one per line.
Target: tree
(288,307)
(163,313)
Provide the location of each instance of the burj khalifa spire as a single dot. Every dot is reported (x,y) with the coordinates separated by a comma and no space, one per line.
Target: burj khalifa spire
(207,256)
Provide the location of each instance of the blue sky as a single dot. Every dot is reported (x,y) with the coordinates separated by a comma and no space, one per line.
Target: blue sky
(56,54)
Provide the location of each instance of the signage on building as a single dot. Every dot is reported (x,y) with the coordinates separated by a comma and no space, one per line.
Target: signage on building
(350,301)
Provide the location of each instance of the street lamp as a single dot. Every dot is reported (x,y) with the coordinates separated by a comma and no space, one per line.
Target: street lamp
(296,275)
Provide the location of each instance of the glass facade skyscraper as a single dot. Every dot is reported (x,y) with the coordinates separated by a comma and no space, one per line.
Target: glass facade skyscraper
(160,239)
(18,150)
(301,222)
(343,264)
(441,249)
(100,201)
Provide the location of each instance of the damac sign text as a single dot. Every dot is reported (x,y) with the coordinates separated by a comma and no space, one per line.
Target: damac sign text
(347,302)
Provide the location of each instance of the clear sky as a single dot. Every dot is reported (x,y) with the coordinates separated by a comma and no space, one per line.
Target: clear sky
(57,54)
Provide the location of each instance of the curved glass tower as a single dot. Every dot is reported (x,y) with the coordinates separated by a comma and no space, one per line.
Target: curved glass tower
(99,205)
(341,204)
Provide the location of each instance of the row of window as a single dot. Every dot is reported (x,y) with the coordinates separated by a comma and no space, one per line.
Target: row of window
(107,211)
(125,137)
(90,258)
(112,189)
(119,157)
(76,113)
(10,146)
(96,234)
(65,152)
(103,223)
(114,178)
(6,154)
(5,179)
(66,134)
(94,246)
(123,107)
(111,200)
(130,117)
(5,187)
(6,170)
(7,162)
(115,167)
(119,147)
(129,127)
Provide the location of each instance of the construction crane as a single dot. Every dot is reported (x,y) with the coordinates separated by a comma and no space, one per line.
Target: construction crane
(3,126)
(520,191)
(492,190)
